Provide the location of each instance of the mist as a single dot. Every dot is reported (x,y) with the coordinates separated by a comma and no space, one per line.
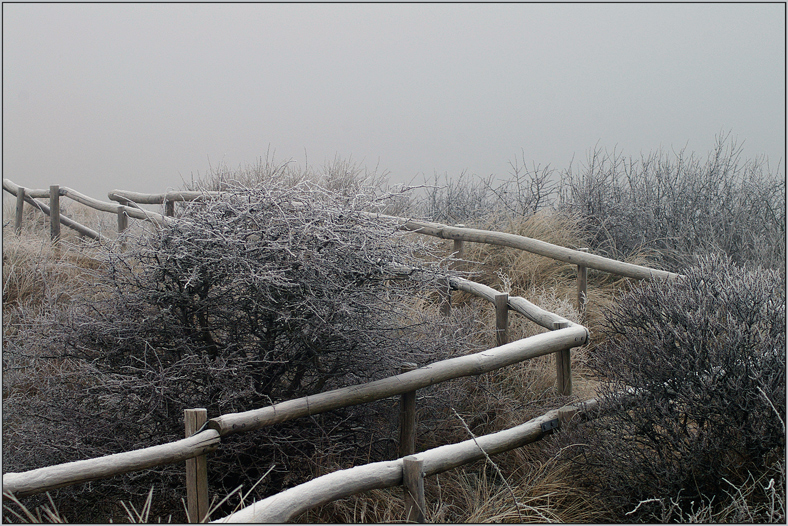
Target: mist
(146,97)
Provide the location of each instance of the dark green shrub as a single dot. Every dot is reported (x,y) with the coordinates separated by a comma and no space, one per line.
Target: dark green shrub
(694,390)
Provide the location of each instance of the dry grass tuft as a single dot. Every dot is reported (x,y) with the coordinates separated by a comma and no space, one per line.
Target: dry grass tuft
(526,270)
(533,492)
(34,275)
(44,514)
(377,506)
(546,282)
(35,272)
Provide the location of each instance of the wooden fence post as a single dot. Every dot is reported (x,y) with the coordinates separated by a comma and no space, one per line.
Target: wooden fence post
(169,207)
(123,224)
(459,249)
(196,470)
(54,212)
(123,220)
(458,252)
(413,482)
(582,285)
(407,418)
(20,208)
(445,299)
(563,365)
(501,319)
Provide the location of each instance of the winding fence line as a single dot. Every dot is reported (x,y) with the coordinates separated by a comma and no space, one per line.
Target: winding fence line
(56,191)
(204,435)
(290,503)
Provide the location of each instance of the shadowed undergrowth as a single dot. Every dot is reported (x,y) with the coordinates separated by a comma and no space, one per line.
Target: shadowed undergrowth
(251,303)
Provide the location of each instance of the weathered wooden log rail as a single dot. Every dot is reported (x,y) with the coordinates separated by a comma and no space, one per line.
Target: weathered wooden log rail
(62,475)
(54,193)
(23,195)
(36,481)
(408,470)
(290,503)
(535,246)
(469,365)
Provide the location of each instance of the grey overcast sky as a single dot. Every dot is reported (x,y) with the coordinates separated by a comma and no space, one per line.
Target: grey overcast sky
(143,96)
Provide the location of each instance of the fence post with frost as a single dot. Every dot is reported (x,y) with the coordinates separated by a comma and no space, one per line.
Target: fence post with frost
(54,212)
(20,207)
(582,285)
(196,470)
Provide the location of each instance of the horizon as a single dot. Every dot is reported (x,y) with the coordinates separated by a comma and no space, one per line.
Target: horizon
(145,97)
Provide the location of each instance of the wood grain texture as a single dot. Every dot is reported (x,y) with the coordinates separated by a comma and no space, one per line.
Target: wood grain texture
(196,469)
(534,246)
(473,364)
(52,477)
(291,503)
(413,484)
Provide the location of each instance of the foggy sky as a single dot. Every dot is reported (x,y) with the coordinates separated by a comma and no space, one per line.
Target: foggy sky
(144,96)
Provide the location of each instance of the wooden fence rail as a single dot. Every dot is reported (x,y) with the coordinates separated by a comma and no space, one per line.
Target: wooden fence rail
(159,199)
(290,503)
(564,335)
(62,191)
(22,196)
(70,473)
(469,365)
(44,479)
(534,246)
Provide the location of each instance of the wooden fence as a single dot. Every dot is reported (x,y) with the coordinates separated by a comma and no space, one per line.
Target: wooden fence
(204,435)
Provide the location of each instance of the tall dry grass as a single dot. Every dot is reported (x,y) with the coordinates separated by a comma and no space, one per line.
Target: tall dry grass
(533,492)
(527,484)
(548,283)
(38,274)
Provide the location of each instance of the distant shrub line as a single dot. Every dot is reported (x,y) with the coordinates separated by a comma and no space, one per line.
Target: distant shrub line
(254,300)
(670,208)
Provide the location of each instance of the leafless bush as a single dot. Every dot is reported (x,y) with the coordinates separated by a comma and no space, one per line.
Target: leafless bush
(681,207)
(526,192)
(463,201)
(760,500)
(667,208)
(475,200)
(341,177)
(271,293)
(705,358)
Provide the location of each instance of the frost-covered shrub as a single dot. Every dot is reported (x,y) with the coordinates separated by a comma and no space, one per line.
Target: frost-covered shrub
(693,389)
(266,294)
(676,207)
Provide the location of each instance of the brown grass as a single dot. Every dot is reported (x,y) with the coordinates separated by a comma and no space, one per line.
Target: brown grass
(533,491)
(35,272)
(548,283)
(536,487)
(37,276)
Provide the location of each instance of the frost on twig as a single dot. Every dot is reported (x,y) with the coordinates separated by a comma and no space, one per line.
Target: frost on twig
(271,292)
